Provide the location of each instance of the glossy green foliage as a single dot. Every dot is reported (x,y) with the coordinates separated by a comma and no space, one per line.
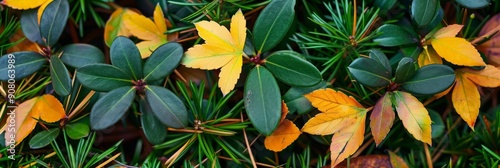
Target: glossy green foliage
(430,79)
(273,24)
(290,68)
(53,21)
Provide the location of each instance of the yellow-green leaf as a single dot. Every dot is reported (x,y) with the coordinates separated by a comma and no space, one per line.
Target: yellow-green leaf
(222,49)
(414,116)
(429,56)
(397,161)
(457,51)
(282,137)
(46,108)
(448,31)
(348,139)
(466,99)
(114,26)
(23,4)
(487,77)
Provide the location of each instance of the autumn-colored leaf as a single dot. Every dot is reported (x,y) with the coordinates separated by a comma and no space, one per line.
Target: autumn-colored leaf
(282,137)
(114,26)
(448,31)
(466,99)
(414,116)
(348,139)
(429,56)
(153,33)
(366,161)
(382,118)
(41,9)
(491,47)
(341,116)
(457,51)
(23,4)
(46,108)
(222,49)
(24,45)
(397,161)
(487,77)
(284,111)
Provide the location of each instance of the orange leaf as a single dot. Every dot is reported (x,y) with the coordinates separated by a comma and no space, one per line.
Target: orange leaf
(23,4)
(457,51)
(328,123)
(448,31)
(284,111)
(429,56)
(382,118)
(488,77)
(46,108)
(397,161)
(414,116)
(114,26)
(330,101)
(466,99)
(348,139)
(282,137)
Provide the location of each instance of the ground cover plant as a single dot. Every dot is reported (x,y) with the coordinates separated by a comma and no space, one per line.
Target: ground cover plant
(249,83)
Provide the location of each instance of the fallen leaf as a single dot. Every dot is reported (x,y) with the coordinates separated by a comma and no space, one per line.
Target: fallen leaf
(23,4)
(341,116)
(114,26)
(448,31)
(397,161)
(491,48)
(457,51)
(46,108)
(429,56)
(382,118)
(153,33)
(414,116)
(222,49)
(282,137)
(487,77)
(367,161)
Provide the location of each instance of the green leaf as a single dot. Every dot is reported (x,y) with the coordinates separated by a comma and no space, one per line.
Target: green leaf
(19,65)
(78,55)
(474,4)
(29,25)
(167,107)
(43,138)
(393,35)
(405,70)
(102,77)
(369,72)
(262,100)
(153,129)
(272,24)
(437,125)
(60,76)
(381,58)
(126,56)
(423,11)
(291,69)
(111,107)
(162,61)
(384,5)
(53,21)
(77,130)
(430,79)
(295,100)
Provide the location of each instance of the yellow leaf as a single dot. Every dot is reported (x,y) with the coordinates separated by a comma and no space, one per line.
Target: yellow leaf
(466,99)
(142,27)
(488,77)
(282,137)
(397,161)
(159,20)
(41,9)
(23,4)
(382,118)
(46,108)
(221,50)
(448,31)
(457,51)
(429,56)
(414,116)
(330,101)
(348,139)
(328,123)
(147,47)
(114,26)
